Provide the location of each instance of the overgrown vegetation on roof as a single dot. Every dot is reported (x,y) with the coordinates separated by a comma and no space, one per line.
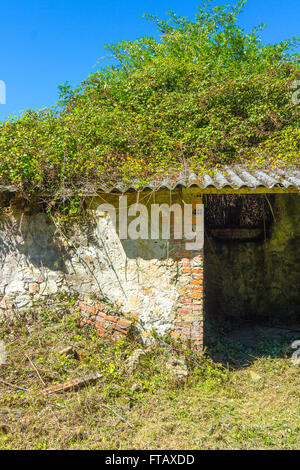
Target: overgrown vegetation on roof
(206,93)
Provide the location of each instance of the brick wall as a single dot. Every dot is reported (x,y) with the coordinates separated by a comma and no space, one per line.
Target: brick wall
(188,324)
(189,315)
(94,314)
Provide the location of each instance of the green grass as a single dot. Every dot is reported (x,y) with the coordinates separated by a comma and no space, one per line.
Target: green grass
(254,406)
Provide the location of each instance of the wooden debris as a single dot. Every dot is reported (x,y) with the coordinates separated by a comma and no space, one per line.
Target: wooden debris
(36,369)
(10,412)
(14,386)
(117,414)
(72,384)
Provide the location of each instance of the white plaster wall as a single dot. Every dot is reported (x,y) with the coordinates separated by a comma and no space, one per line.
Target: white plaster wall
(38,258)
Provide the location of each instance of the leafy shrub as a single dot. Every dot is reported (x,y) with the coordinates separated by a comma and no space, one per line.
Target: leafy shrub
(205,94)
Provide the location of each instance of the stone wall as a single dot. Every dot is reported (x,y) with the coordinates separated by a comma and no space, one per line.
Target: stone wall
(158,283)
(155,284)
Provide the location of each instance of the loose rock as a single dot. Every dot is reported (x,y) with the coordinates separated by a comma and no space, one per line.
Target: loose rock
(134,360)
(177,367)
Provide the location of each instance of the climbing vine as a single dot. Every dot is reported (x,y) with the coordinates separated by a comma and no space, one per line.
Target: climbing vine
(204,94)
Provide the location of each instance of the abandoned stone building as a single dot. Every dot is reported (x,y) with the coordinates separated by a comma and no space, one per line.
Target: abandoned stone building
(249,264)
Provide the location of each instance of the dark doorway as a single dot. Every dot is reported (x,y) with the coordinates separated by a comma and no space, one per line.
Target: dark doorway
(252,275)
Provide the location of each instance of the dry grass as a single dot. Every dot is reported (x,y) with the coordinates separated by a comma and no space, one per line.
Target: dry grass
(253,407)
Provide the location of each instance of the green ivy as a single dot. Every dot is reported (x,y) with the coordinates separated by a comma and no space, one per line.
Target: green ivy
(205,94)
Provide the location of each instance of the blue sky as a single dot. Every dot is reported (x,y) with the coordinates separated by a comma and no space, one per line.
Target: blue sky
(47,42)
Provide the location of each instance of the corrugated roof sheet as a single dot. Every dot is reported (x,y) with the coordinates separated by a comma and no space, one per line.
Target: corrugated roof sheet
(234,178)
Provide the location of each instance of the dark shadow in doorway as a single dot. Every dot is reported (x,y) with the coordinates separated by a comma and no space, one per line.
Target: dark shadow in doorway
(239,344)
(251,277)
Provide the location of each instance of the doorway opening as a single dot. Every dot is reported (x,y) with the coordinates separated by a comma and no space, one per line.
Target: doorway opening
(251,276)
